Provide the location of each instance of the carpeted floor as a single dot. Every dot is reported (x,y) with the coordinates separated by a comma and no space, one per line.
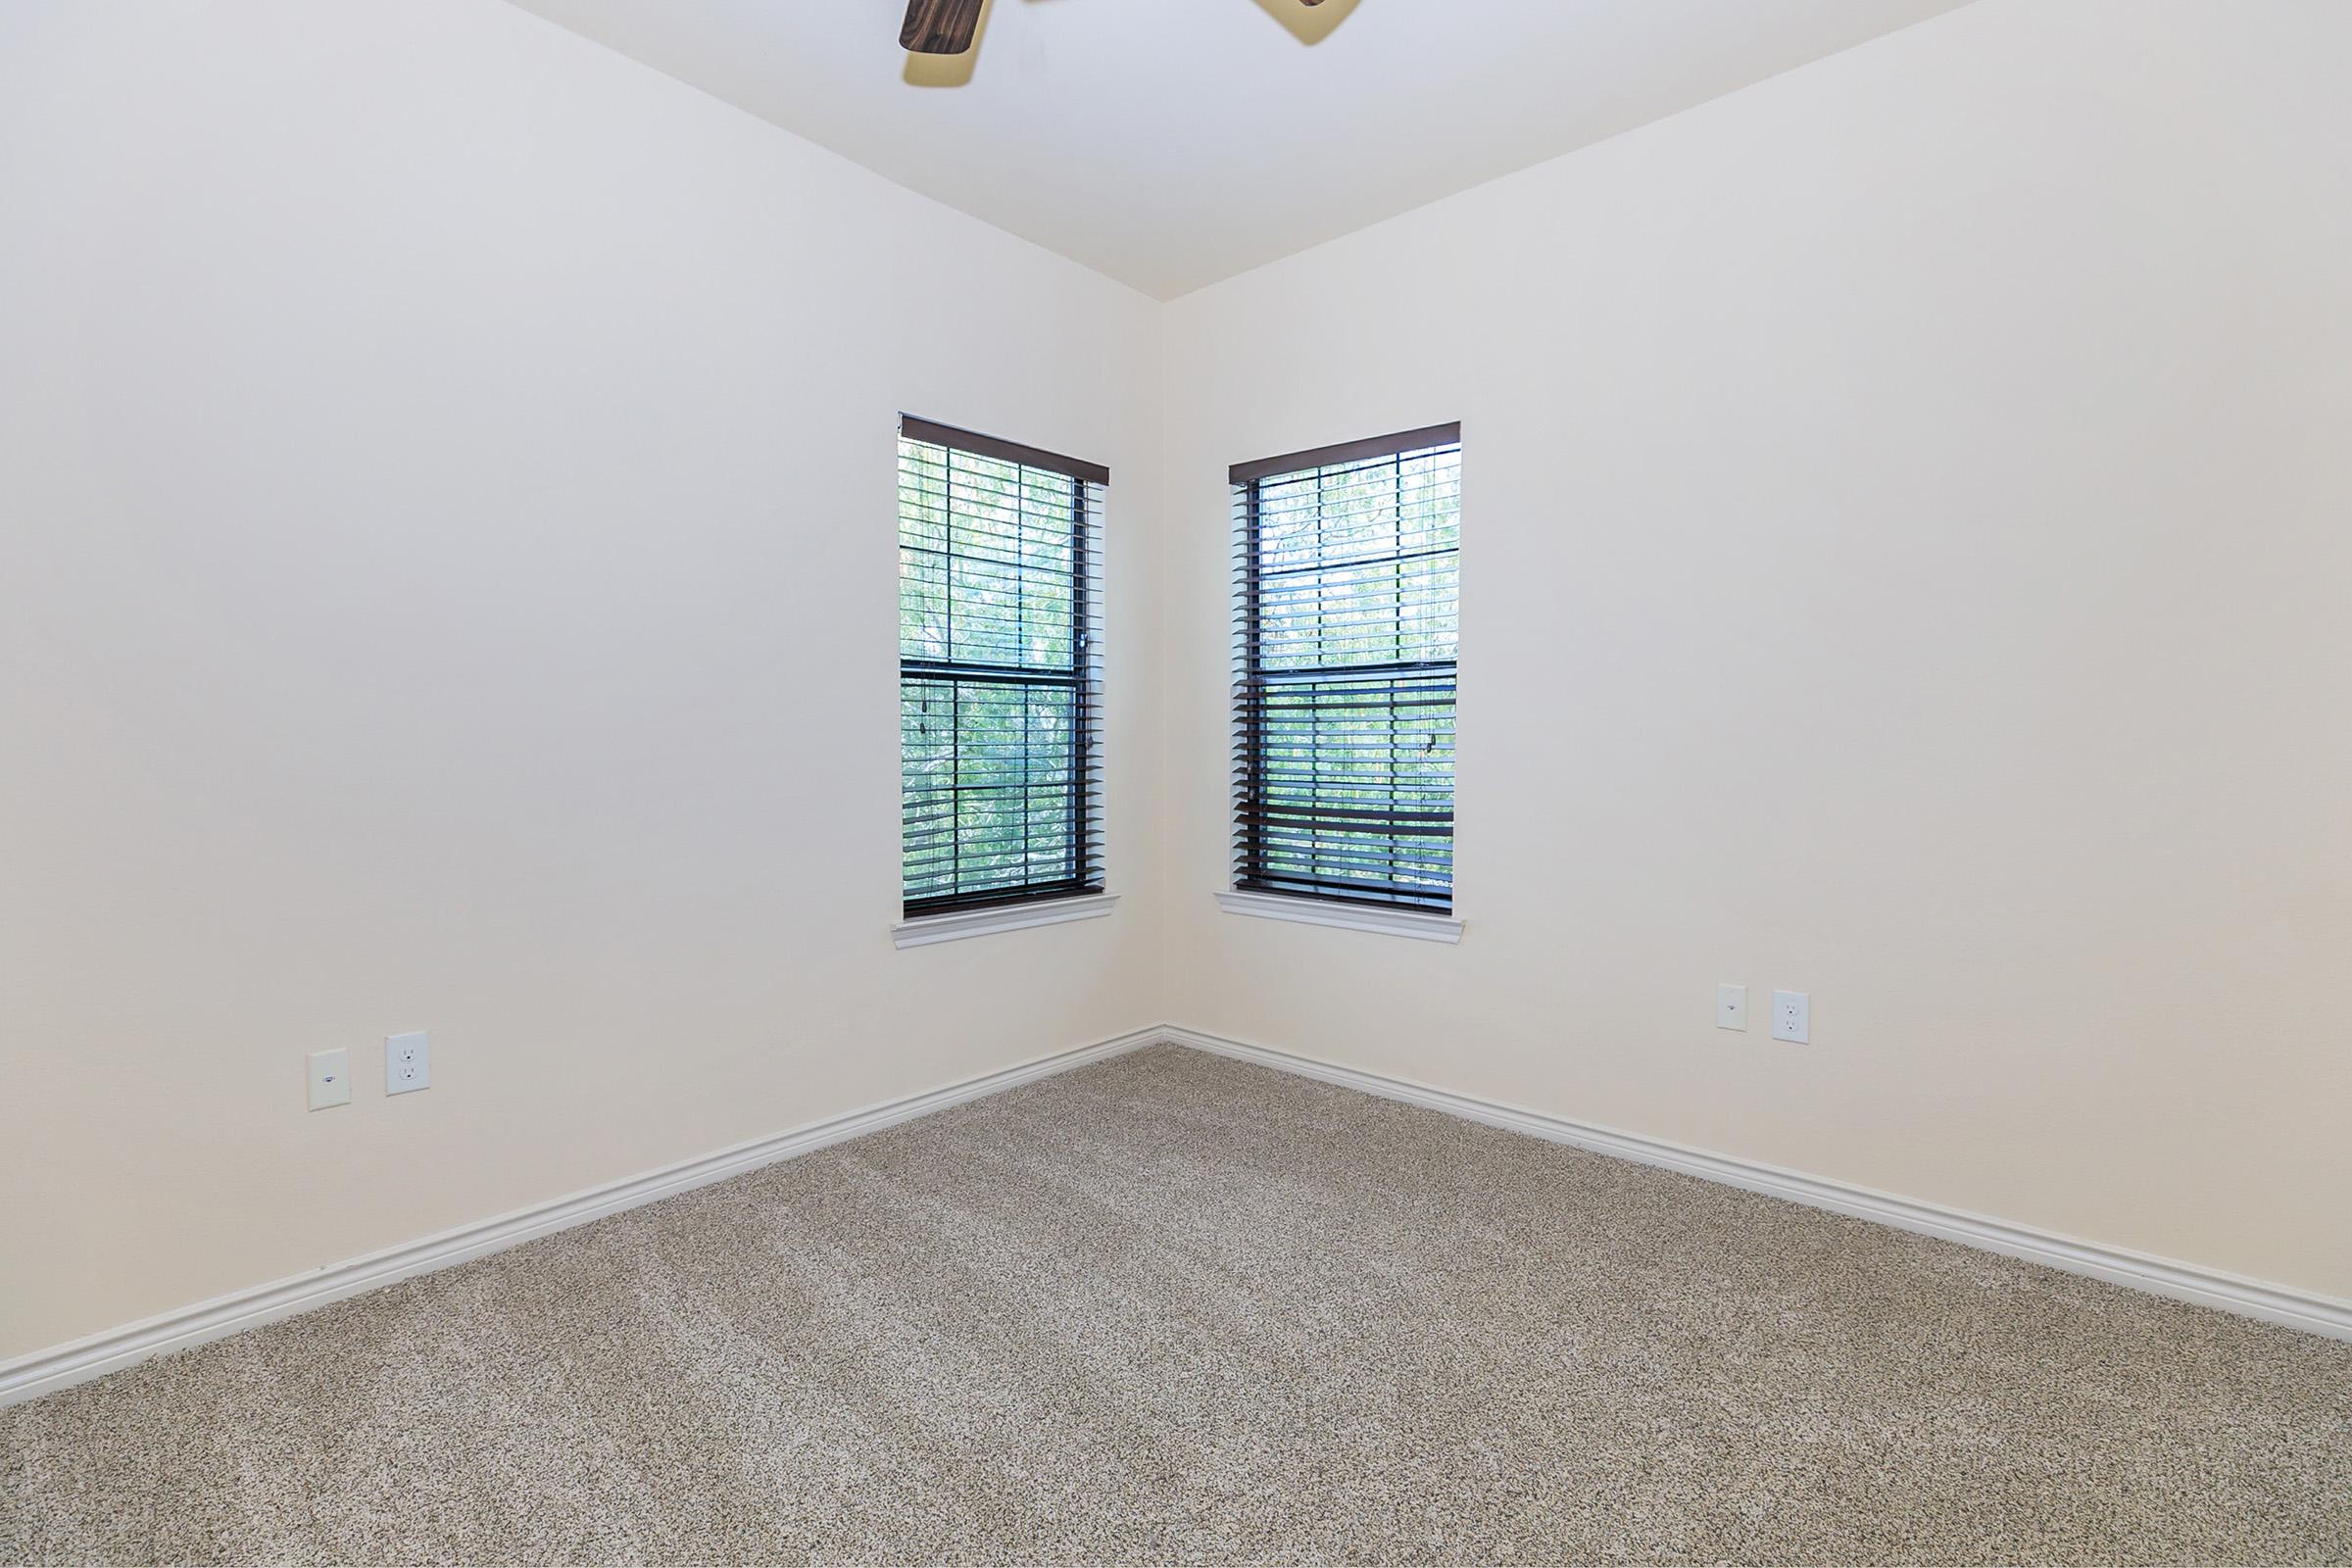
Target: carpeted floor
(1172,1307)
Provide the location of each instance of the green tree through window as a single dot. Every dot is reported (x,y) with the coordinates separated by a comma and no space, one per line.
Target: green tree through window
(998,686)
(1344,685)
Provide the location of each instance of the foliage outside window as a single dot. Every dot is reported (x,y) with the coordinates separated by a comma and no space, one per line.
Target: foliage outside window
(1346,630)
(998,681)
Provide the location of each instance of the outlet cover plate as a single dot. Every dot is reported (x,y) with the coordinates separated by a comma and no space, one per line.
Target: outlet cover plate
(1793,1016)
(331,1078)
(1731,1006)
(408,1063)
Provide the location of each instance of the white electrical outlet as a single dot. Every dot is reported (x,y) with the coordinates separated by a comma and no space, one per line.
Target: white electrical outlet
(1731,1006)
(331,1078)
(1792,1017)
(408,1063)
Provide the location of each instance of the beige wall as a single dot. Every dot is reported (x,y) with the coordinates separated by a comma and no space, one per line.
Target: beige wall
(447,581)
(1906,548)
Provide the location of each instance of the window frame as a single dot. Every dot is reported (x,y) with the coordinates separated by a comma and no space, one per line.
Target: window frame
(1252,888)
(1084,895)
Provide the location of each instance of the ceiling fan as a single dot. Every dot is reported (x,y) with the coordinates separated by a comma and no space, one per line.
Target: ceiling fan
(946,26)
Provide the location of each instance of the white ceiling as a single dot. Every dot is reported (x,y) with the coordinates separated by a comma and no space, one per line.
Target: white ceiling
(1171,143)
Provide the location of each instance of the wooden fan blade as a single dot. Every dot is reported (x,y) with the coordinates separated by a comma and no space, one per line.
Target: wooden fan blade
(940,27)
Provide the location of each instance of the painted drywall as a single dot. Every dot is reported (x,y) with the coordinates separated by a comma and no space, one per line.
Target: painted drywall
(1905,560)
(1171,143)
(448,581)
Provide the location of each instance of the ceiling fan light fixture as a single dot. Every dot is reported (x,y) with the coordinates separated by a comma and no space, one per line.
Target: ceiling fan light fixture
(949,26)
(940,27)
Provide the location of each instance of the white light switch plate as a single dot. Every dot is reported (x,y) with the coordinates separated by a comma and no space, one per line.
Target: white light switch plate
(1731,1006)
(408,1063)
(1792,1017)
(331,1078)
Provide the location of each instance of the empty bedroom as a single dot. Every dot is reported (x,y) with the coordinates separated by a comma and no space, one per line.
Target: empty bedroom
(1212,781)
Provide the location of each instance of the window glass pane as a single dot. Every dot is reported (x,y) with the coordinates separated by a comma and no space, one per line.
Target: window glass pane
(996,689)
(1344,689)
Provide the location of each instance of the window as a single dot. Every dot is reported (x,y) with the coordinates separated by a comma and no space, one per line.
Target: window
(1000,688)
(1343,671)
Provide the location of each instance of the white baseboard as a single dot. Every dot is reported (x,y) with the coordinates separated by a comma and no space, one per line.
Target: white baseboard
(2186,1281)
(46,1371)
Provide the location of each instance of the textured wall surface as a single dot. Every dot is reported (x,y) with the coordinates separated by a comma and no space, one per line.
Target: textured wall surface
(449,582)
(1903,559)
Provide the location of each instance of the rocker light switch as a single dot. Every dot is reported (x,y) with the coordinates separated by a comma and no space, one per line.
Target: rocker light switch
(331,1078)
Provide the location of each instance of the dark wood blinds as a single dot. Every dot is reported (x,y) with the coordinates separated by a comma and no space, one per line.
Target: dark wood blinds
(1344,635)
(999,681)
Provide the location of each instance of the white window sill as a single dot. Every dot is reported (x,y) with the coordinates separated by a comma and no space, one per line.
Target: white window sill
(1348,916)
(924,930)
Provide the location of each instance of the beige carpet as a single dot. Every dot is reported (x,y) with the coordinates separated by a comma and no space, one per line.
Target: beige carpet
(1171,1307)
